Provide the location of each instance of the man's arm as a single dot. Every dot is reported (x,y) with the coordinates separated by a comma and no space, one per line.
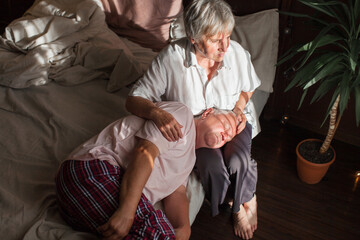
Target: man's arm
(239,110)
(146,109)
(176,207)
(133,182)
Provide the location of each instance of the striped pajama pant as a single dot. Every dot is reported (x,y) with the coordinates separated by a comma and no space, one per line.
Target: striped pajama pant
(88,195)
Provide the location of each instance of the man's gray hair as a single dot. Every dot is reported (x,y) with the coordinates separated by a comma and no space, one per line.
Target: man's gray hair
(208,18)
(216,111)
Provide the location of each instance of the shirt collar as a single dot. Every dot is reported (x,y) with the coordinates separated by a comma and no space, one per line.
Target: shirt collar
(190,59)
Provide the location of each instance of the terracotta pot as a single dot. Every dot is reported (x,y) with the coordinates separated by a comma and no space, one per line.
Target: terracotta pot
(309,172)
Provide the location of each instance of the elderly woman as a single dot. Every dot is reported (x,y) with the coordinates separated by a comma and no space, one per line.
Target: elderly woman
(205,70)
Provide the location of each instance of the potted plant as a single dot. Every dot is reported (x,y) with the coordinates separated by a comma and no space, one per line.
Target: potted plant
(330,63)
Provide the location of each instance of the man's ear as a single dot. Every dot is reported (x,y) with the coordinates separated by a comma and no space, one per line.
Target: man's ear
(207,113)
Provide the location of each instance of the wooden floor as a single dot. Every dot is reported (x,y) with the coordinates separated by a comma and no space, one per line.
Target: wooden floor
(289,209)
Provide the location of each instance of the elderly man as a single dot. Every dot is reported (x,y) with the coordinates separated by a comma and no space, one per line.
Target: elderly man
(109,184)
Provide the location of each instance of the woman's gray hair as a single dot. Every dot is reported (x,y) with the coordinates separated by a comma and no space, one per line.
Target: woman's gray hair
(207,18)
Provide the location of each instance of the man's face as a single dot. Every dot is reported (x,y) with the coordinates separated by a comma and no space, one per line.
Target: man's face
(218,129)
(214,47)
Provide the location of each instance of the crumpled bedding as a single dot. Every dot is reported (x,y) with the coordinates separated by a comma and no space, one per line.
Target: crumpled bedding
(66,41)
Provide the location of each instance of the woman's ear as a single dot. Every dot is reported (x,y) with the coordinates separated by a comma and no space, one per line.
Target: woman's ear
(207,113)
(192,40)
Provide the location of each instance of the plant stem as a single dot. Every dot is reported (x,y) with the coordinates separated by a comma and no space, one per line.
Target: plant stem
(333,124)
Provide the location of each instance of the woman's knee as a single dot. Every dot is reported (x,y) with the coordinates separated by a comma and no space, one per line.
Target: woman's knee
(236,164)
(209,161)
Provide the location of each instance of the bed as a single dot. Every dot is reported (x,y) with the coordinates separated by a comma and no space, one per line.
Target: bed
(66,68)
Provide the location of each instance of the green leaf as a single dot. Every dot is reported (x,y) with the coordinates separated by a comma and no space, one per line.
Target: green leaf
(357,80)
(319,6)
(325,87)
(356,9)
(288,55)
(303,75)
(320,40)
(342,15)
(357,104)
(352,18)
(344,92)
(325,5)
(329,8)
(302,98)
(292,14)
(354,55)
(328,69)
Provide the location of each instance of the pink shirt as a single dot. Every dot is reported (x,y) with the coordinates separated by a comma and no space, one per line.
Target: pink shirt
(174,163)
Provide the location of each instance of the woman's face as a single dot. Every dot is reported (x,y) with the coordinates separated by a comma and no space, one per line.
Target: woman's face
(214,47)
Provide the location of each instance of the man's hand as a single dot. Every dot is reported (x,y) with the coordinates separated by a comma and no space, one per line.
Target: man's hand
(133,182)
(167,125)
(117,227)
(241,120)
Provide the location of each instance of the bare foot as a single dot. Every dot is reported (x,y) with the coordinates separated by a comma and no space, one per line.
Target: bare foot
(242,227)
(251,212)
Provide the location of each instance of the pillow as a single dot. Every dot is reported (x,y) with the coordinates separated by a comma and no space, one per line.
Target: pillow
(145,22)
(258,33)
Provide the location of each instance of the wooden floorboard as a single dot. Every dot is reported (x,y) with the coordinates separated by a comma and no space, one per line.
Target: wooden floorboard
(287,207)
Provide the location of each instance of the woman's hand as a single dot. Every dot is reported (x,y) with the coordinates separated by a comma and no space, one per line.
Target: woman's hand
(167,125)
(241,120)
(117,227)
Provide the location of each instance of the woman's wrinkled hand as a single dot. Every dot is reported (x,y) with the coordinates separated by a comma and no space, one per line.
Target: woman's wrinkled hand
(168,125)
(117,227)
(241,120)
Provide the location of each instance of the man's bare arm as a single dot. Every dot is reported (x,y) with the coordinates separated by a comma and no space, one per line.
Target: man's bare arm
(133,182)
